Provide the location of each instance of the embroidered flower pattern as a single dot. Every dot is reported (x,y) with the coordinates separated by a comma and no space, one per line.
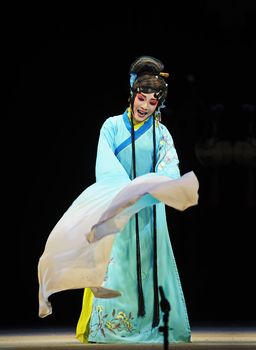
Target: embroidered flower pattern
(165,151)
(115,323)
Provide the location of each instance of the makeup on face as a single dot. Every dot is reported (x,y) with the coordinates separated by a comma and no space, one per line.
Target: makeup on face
(144,106)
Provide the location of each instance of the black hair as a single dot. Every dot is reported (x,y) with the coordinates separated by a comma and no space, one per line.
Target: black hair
(149,78)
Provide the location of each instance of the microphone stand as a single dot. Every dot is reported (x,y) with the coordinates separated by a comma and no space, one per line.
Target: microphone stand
(165,307)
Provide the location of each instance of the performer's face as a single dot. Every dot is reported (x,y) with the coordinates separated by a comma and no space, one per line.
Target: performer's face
(144,105)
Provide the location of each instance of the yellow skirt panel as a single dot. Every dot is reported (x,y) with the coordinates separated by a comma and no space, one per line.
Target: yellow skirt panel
(82,328)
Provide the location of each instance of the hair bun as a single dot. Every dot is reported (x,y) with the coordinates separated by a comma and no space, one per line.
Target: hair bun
(146,64)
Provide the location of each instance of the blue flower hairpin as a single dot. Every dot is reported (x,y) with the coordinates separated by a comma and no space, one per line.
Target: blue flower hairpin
(133,77)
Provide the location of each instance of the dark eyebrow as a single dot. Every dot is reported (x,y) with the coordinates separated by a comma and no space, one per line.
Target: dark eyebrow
(152,98)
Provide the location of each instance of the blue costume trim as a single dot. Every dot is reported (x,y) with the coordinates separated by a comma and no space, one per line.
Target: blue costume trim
(147,125)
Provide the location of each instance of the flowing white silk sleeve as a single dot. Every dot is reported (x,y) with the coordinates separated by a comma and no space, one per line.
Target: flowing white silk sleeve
(77,251)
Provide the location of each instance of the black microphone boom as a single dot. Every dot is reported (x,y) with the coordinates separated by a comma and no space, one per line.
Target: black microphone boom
(165,307)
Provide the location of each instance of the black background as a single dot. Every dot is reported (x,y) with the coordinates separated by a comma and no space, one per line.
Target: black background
(65,71)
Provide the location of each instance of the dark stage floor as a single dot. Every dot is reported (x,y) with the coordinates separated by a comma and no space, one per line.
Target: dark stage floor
(63,338)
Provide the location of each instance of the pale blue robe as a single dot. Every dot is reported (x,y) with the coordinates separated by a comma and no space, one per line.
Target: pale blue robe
(115,320)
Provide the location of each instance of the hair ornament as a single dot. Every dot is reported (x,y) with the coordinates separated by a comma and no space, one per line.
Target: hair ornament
(133,77)
(164,74)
